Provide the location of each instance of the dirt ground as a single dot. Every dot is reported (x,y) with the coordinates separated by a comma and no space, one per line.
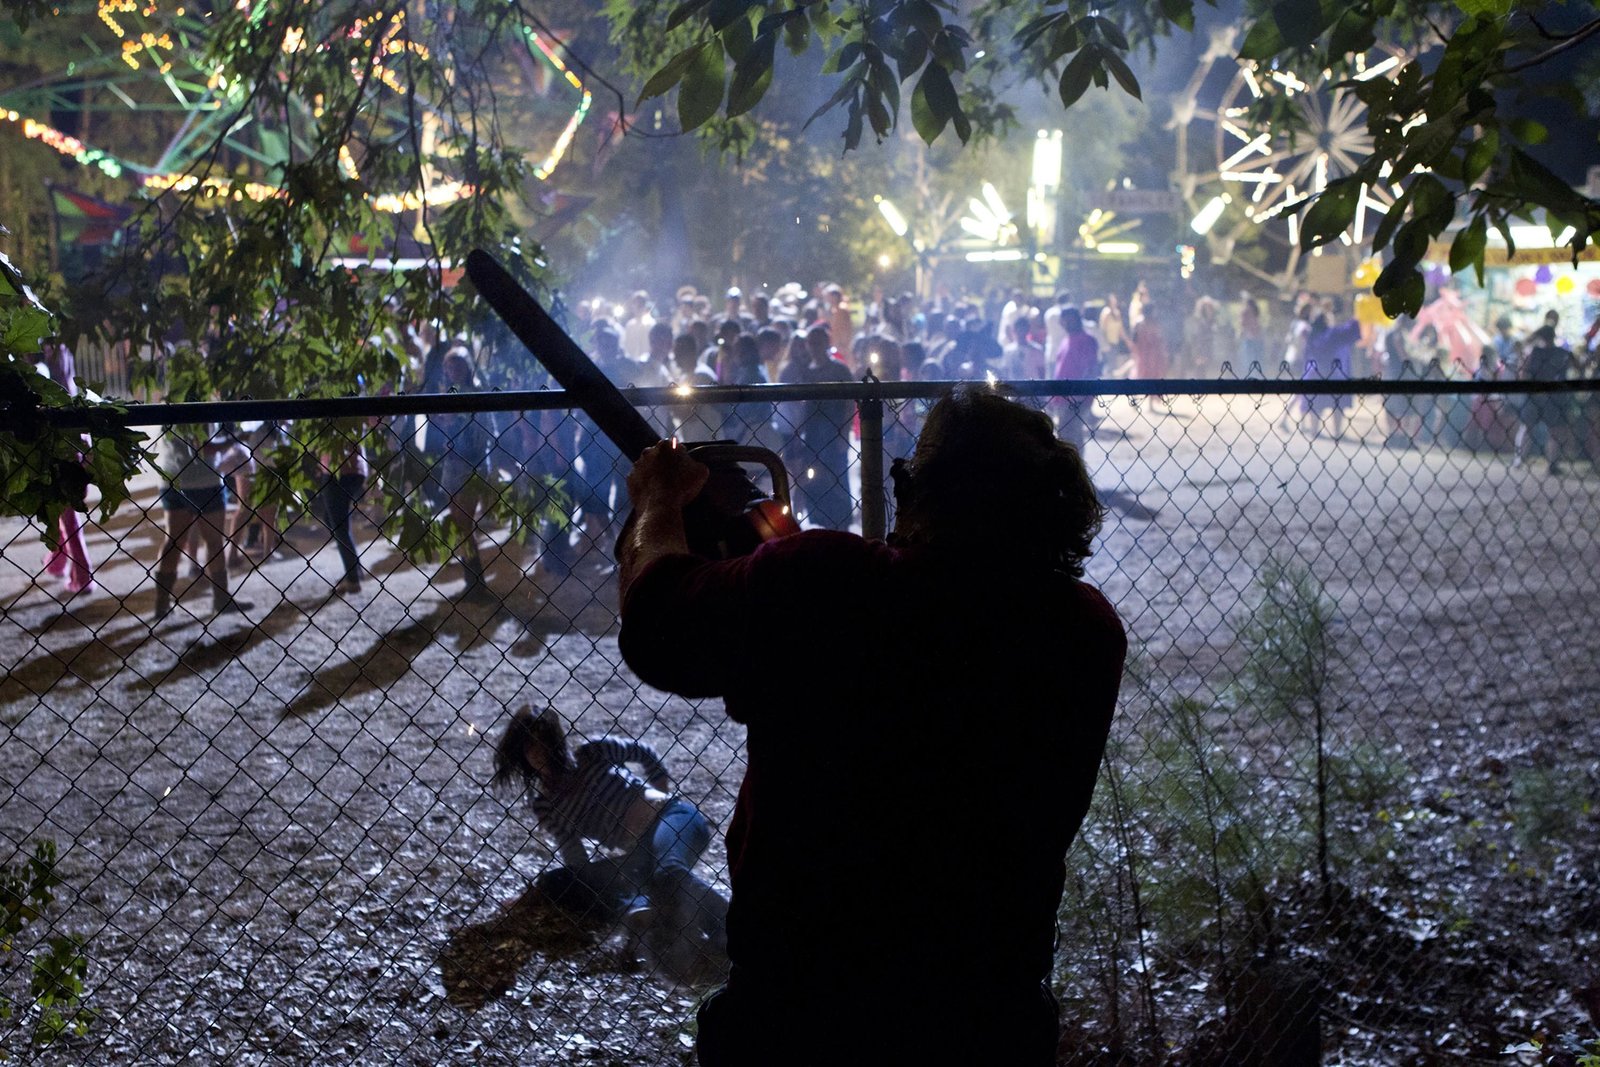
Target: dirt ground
(274,829)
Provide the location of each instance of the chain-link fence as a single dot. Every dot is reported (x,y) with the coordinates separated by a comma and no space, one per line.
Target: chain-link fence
(1349,802)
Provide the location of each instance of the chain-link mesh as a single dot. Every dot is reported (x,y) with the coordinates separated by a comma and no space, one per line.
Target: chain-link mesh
(1349,799)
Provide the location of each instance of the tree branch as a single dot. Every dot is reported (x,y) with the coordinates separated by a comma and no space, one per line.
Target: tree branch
(1578,36)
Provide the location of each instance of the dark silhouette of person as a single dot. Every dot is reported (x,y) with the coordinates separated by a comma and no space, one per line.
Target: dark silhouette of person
(926,719)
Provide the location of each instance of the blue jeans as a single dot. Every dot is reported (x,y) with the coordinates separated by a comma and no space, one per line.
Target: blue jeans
(675,845)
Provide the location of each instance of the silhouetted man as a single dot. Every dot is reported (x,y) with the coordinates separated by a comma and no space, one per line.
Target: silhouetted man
(926,720)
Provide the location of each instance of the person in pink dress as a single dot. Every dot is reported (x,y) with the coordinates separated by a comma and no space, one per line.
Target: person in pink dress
(69,558)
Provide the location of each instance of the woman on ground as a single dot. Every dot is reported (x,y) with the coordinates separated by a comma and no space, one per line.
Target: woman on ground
(591,795)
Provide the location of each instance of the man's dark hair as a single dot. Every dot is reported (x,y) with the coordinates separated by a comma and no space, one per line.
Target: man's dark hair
(1545,335)
(991,476)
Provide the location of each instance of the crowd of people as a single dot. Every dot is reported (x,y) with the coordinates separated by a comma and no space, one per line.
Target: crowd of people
(793,335)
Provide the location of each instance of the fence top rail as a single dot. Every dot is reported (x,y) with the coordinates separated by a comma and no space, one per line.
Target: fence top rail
(137,414)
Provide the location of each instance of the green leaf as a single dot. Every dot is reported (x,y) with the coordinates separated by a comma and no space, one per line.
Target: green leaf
(1180,13)
(737,38)
(925,17)
(1401,293)
(1112,33)
(1035,28)
(22,327)
(933,102)
(1079,73)
(724,13)
(700,95)
(752,75)
(1491,9)
(1352,33)
(1528,131)
(1330,213)
(846,91)
(1480,155)
(1289,25)
(1119,70)
(843,59)
(1467,249)
(683,11)
(669,75)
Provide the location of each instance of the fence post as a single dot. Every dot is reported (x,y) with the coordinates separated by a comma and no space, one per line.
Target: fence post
(870,410)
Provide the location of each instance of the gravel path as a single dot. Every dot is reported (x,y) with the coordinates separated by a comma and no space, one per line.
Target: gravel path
(274,831)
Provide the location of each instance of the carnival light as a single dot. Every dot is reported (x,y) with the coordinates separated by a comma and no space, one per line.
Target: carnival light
(1209,214)
(891,215)
(1117,248)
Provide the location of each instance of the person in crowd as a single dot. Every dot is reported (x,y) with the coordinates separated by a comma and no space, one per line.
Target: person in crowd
(69,559)
(591,794)
(1137,303)
(1147,342)
(636,328)
(1053,332)
(1402,412)
(818,450)
(236,462)
(977,351)
(1016,307)
(1294,344)
(1019,352)
(1113,330)
(944,339)
(1200,339)
(834,912)
(1077,359)
(462,472)
(659,369)
(344,471)
(770,347)
(1546,414)
(194,498)
(1252,338)
(1492,426)
(1328,352)
(839,317)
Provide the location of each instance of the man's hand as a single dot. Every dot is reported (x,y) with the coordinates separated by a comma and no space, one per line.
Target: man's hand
(665,476)
(663,480)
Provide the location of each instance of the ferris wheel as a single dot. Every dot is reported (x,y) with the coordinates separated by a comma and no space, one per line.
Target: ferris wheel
(1254,182)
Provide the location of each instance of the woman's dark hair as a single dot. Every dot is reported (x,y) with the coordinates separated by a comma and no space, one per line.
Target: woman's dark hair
(1071,320)
(991,476)
(512,771)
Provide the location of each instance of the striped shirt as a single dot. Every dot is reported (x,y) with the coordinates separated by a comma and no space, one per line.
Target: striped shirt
(592,800)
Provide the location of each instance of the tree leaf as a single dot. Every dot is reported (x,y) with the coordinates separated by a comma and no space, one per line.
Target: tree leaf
(925,17)
(724,13)
(1180,13)
(1035,28)
(669,75)
(1529,131)
(1330,213)
(847,90)
(1119,70)
(933,103)
(1289,25)
(845,58)
(737,38)
(1401,293)
(1480,155)
(1112,33)
(1467,249)
(700,95)
(1487,9)
(1079,73)
(752,75)
(683,11)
